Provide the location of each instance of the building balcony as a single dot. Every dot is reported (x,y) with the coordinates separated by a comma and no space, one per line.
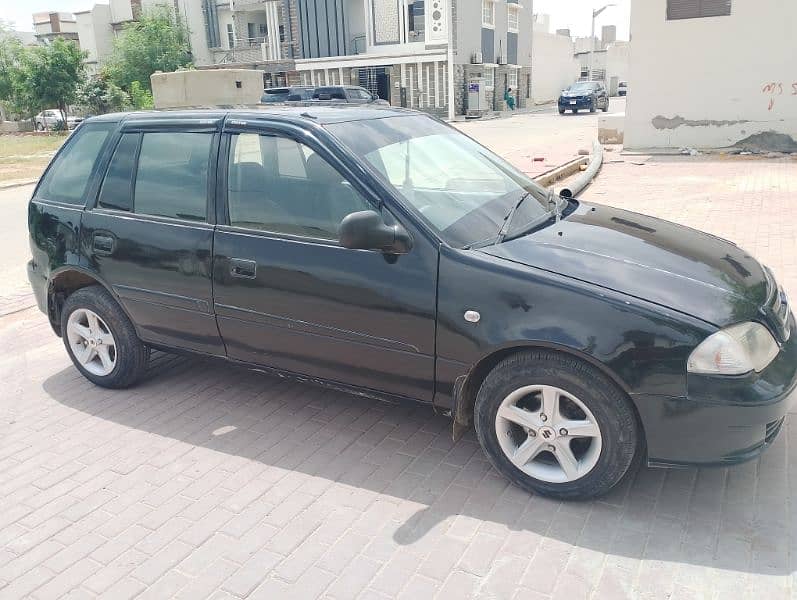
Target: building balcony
(248,4)
(247,50)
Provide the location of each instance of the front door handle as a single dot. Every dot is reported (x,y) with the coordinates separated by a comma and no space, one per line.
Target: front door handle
(240,267)
(103,244)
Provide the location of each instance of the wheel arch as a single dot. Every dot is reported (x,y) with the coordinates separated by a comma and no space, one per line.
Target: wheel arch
(467,386)
(65,281)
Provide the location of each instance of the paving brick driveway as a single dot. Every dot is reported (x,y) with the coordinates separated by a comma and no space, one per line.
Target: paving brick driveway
(208,480)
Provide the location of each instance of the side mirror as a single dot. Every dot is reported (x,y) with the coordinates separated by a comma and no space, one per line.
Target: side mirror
(366,230)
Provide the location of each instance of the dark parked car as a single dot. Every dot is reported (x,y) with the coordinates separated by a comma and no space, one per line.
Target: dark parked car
(584,95)
(297,93)
(348,93)
(384,252)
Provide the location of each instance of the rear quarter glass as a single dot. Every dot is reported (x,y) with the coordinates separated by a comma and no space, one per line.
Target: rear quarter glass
(66,179)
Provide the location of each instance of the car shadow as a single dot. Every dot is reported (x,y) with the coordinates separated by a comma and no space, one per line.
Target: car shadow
(736,519)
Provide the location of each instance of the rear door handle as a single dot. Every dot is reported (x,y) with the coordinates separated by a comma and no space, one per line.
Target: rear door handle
(240,267)
(103,244)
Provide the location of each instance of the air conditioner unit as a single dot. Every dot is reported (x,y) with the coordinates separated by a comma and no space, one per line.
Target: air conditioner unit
(476,58)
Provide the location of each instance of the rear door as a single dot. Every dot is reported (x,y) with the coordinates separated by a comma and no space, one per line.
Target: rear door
(150,233)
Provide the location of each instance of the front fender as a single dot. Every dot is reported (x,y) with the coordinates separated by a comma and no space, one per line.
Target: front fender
(643,347)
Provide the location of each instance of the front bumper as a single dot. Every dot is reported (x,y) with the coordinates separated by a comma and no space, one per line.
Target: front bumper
(722,420)
(580,103)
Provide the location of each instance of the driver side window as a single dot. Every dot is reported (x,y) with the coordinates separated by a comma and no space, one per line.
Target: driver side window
(279,185)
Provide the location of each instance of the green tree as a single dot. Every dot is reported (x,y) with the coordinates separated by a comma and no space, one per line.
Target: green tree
(158,41)
(140,97)
(11,50)
(50,76)
(99,96)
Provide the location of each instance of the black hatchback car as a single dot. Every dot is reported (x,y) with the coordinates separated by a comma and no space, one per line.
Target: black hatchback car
(584,95)
(384,252)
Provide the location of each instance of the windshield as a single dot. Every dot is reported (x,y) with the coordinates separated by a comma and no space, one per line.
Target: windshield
(463,190)
(582,87)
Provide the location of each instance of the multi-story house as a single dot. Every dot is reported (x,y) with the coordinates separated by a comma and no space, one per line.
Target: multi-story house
(48,26)
(95,35)
(416,53)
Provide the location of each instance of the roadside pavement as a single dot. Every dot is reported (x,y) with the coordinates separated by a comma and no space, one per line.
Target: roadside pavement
(547,135)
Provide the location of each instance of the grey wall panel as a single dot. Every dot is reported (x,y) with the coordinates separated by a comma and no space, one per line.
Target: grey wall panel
(511,48)
(488,45)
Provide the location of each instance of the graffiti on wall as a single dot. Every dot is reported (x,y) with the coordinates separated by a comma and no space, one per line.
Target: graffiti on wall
(774,89)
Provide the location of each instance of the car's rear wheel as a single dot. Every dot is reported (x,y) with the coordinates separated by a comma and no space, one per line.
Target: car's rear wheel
(575,111)
(561,111)
(101,340)
(39,126)
(555,425)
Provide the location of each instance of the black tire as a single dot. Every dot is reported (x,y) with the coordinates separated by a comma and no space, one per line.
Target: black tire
(575,111)
(132,356)
(561,111)
(606,108)
(592,107)
(612,409)
(39,127)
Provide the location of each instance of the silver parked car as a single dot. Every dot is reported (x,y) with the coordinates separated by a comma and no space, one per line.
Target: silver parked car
(49,119)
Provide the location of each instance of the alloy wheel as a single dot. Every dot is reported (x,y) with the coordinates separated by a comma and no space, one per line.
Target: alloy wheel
(548,433)
(91,342)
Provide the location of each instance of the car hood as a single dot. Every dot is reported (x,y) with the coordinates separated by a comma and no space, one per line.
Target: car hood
(577,94)
(674,266)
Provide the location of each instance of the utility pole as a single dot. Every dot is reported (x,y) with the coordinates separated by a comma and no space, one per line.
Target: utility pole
(595,13)
(450,56)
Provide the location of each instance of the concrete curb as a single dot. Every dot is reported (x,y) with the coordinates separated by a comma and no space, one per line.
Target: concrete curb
(17,183)
(557,173)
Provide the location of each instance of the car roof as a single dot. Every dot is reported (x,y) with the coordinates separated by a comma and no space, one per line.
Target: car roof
(321,115)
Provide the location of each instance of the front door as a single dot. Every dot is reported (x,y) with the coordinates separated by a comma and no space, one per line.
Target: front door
(149,236)
(287,295)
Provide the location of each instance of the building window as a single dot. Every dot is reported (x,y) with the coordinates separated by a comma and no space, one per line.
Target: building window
(489,78)
(488,13)
(511,79)
(695,9)
(415,20)
(230,36)
(512,18)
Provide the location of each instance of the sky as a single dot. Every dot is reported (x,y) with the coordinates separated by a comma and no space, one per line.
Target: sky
(572,14)
(576,15)
(20,11)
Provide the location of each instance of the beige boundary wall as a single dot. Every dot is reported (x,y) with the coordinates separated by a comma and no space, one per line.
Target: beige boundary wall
(222,87)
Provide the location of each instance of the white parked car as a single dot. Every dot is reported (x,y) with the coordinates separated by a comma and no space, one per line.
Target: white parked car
(49,119)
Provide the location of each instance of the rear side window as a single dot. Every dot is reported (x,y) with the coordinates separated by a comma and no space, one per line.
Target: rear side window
(161,174)
(117,189)
(68,177)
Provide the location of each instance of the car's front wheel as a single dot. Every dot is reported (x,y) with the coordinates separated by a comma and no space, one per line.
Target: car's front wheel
(39,126)
(101,340)
(555,425)
(561,111)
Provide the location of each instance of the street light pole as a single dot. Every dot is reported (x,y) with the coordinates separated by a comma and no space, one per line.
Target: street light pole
(595,13)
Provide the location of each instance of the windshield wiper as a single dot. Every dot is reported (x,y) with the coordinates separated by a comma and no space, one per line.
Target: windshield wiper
(555,205)
(508,219)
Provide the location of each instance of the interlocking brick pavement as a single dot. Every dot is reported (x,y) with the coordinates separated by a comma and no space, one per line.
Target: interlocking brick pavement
(212,481)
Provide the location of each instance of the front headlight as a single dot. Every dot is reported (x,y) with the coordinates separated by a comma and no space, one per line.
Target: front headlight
(735,350)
